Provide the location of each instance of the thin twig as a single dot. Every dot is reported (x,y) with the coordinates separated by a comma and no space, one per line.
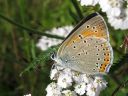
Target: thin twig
(78,10)
(119,87)
(32,31)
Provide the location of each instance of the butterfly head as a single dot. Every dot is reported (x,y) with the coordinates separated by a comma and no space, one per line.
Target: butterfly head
(53,56)
(56,59)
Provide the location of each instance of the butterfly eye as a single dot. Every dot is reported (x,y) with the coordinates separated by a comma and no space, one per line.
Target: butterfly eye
(53,56)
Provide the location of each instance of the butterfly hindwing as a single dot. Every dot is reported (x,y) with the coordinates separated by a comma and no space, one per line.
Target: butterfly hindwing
(91,55)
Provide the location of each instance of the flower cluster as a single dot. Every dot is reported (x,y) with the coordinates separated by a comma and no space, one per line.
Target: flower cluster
(116,10)
(45,42)
(28,95)
(67,82)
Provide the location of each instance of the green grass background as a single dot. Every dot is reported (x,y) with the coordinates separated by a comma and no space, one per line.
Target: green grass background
(18,46)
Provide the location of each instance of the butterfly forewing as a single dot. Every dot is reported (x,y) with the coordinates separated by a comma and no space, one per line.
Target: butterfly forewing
(94,26)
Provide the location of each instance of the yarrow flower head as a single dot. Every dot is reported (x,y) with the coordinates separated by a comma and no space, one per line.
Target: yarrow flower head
(69,93)
(88,2)
(116,12)
(28,95)
(68,82)
(53,89)
(45,42)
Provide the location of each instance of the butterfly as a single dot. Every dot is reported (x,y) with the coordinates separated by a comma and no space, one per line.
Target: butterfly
(87,49)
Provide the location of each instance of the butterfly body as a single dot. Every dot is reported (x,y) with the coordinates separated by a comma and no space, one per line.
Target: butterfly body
(87,48)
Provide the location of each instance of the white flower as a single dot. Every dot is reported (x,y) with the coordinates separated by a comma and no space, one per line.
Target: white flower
(115,10)
(54,74)
(69,93)
(46,42)
(28,95)
(115,22)
(86,79)
(80,88)
(120,22)
(88,2)
(92,90)
(111,7)
(100,83)
(79,77)
(67,79)
(76,76)
(53,90)
(105,6)
(67,71)
(64,80)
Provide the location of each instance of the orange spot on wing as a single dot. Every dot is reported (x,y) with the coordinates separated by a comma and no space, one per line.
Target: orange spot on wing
(106,62)
(88,33)
(91,33)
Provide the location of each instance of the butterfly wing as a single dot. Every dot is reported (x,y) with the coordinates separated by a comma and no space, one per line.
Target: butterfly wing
(91,55)
(92,25)
(78,51)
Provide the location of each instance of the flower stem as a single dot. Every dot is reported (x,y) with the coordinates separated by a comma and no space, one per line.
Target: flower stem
(119,87)
(78,10)
(29,29)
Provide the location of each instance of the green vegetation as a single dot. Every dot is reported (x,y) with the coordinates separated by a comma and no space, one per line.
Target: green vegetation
(18,45)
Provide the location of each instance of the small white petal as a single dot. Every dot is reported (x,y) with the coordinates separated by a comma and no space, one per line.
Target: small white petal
(64,80)
(53,90)
(69,93)
(104,5)
(86,78)
(91,90)
(80,88)
(45,42)
(114,12)
(67,71)
(88,2)
(125,24)
(53,74)
(76,76)
(28,95)
(100,83)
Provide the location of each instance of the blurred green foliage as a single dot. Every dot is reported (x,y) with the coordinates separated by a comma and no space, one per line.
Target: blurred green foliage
(18,46)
